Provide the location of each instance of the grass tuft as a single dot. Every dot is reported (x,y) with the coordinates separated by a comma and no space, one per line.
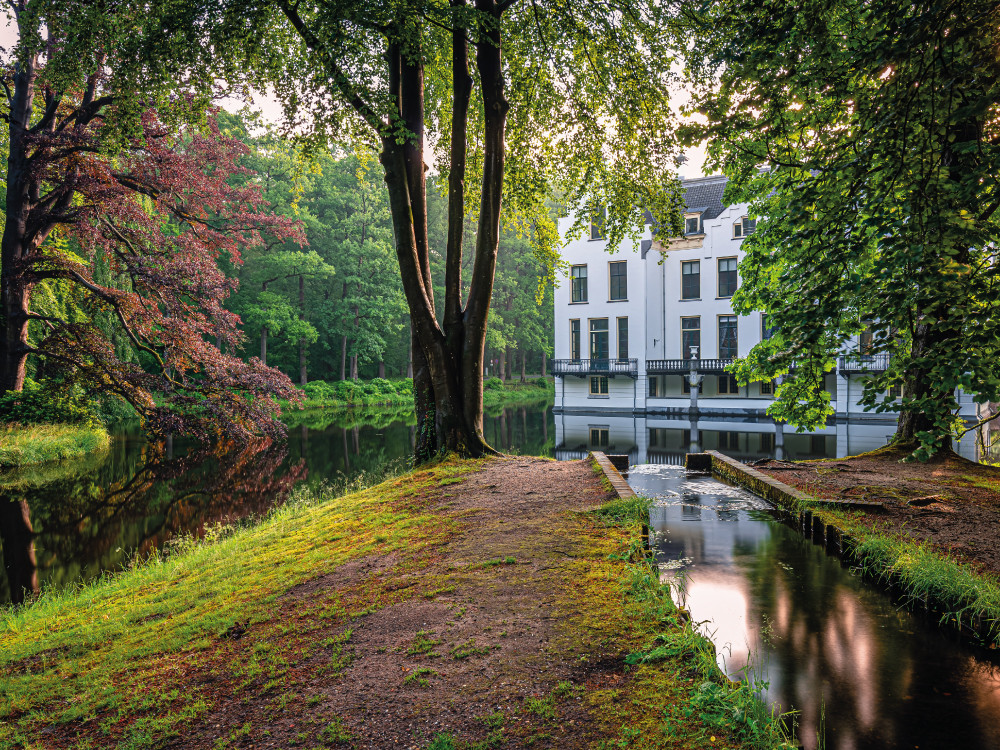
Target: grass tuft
(22,445)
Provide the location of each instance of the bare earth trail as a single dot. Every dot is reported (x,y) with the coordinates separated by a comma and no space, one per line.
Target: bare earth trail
(467,605)
(488,627)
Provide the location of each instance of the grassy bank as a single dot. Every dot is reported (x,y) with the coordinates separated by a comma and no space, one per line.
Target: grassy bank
(954,566)
(922,573)
(398,394)
(23,445)
(432,610)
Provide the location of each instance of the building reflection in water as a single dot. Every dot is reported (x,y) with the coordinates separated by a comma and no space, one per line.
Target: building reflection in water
(665,440)
(822,640)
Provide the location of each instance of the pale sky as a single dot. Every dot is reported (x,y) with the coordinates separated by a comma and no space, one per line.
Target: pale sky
(272,111)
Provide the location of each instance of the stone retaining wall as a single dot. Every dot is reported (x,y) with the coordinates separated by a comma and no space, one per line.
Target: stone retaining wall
(613,476)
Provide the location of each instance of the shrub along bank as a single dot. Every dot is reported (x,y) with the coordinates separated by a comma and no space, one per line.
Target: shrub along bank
(49,421)
(433,610)
(380,392)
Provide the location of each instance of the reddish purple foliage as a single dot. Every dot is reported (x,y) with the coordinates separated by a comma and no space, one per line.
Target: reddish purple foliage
(161,213)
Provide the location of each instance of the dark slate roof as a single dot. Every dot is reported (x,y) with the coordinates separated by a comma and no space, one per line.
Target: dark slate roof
(704,194)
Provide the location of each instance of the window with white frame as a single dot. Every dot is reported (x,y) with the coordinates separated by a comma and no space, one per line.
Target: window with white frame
(690,337)
(728,278)
(599,385)
(622,338)
(691,279)
(727,337)
(600,437)
(599,339)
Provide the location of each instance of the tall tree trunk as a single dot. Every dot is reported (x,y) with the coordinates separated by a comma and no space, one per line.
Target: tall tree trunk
(343,357)
(263,333)
(502,369)
(15,246)
(448,384)
(302,342)
(354,367)
(524,366)
(381,369)
(919,382)
(543,363)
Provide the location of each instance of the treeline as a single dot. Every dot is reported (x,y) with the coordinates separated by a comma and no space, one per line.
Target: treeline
(333,308)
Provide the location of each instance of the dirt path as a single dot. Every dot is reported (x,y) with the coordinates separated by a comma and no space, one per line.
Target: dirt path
(949,501)
(482,637)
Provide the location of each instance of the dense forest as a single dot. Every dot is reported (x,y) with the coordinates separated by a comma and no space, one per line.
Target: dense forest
(333,308)
(325,302)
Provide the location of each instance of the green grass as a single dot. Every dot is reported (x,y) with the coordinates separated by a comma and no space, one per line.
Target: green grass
(924,574)
(671,647)
(111,648)
(22,445)
(324,408)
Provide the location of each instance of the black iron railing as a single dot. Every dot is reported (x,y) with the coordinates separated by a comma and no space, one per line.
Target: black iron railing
(660,366)
(850,364)
(582,368)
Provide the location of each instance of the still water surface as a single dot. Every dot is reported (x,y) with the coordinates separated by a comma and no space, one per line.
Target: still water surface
(813,630)
(69,522)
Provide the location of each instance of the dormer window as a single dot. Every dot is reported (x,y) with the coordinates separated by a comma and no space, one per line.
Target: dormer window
(744,227)
(597,219)
(693,225)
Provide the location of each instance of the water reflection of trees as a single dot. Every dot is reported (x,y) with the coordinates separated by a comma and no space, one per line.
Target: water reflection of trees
(87,517)
(877,670)
(131,504)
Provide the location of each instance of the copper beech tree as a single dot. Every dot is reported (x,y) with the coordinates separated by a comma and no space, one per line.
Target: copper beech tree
(157,208)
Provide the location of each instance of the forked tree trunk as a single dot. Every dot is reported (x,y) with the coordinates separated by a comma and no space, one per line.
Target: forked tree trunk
(448,381)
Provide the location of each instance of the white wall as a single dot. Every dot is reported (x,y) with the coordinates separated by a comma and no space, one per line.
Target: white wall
(623,392)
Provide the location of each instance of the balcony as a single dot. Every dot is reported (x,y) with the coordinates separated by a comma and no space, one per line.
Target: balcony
(852,364)
(582,368)
(680,366)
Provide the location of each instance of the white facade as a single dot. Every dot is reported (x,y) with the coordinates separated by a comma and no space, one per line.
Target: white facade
(666,316)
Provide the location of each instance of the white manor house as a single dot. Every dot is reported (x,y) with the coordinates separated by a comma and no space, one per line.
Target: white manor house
(630,330)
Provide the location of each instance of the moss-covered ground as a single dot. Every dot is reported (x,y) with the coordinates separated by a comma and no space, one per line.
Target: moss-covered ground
(505,603)
(23,445)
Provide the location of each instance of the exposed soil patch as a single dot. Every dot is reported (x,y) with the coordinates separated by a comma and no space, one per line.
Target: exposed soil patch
(951,502)
(464,606)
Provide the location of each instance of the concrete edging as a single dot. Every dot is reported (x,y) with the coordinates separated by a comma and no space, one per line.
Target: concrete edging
(615,479)
(829,536)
